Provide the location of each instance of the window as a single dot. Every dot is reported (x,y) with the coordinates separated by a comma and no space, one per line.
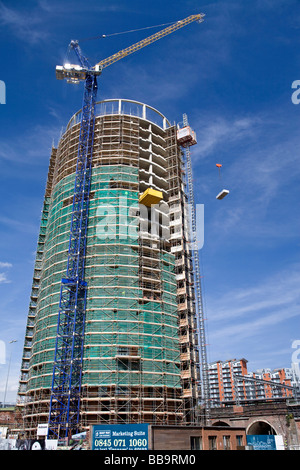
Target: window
(196,443)
(122,391)
(212,442)
(226,442)
(239,440)
(123,351)
(127,364)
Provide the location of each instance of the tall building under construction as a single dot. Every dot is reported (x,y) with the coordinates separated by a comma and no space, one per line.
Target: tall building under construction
(140,350)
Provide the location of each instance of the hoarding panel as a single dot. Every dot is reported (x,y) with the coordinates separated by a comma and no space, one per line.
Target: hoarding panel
(120,437)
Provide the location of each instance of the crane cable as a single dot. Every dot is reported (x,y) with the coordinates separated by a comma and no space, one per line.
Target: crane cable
(125,32)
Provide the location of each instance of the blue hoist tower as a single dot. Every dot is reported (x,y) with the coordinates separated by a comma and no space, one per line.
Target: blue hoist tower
(67,369)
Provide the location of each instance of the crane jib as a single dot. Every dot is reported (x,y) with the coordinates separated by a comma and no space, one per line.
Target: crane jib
(149,40)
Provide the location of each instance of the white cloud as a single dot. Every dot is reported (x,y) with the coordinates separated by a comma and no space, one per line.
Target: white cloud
(32,146)
(3,278)
(258,323)
(58,8)
(260,159)
(18,225)
(215,131)
(3,275)
(245,312)
(5,265)
(27,26)
(252,328)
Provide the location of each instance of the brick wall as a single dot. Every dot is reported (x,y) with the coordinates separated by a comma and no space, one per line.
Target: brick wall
(186,438)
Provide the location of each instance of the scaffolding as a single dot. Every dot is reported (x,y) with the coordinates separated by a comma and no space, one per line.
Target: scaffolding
(140,357)
(187,138)
(64,413)
(28,404)
(180,247)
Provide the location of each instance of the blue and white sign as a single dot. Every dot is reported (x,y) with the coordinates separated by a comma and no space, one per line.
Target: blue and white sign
(261,442)
(120,437)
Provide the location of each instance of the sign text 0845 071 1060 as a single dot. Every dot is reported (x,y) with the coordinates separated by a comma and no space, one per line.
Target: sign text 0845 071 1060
(120,437)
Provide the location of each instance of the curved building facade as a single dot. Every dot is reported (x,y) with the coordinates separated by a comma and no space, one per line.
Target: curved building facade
(140,357)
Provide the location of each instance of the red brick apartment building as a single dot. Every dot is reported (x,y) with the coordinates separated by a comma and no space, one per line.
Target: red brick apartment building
(230,382)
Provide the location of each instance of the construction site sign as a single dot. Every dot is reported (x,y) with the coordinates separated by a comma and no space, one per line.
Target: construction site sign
(120,437)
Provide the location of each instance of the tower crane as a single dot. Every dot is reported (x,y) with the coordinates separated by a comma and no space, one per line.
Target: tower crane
(67,369)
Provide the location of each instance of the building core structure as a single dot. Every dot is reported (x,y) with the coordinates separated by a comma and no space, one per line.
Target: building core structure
(141,357)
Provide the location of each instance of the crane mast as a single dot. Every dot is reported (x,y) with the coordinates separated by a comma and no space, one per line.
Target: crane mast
(66,378)
(64,413)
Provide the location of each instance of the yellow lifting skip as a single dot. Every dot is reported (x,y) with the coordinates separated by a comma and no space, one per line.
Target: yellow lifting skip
(150,196)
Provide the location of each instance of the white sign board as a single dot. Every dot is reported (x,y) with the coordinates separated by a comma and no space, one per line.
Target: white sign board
(51,444)
(3,432)
(279,442)
(42,430)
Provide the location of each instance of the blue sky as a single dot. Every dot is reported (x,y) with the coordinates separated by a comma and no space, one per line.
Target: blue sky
(232,75)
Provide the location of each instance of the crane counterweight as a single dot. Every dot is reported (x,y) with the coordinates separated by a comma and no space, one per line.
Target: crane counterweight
(75,73)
